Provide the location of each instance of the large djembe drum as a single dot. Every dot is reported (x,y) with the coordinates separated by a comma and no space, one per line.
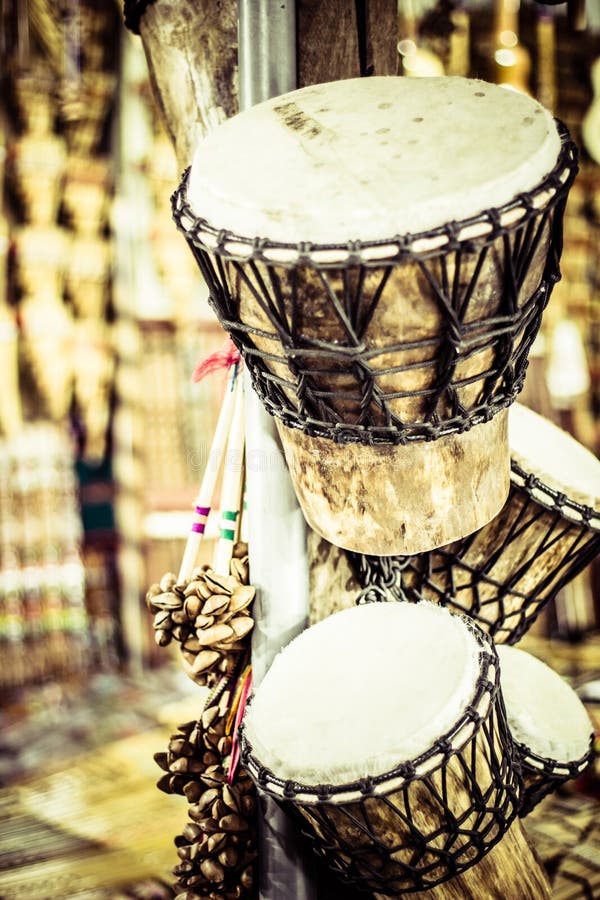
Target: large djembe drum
(504,574)
(382,731)
(550,726)
(381,251)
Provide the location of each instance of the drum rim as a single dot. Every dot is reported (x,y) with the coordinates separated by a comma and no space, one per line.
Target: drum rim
(547,766)
(552,499)
(480,229)
(405,772)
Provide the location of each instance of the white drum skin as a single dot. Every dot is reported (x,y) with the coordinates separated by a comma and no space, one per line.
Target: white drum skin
(544,713)
(304,722)
(369,158)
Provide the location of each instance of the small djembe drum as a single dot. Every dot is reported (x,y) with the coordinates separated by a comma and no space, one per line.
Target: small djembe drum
(382,730)
(504,574)
(381,251)
(550,726)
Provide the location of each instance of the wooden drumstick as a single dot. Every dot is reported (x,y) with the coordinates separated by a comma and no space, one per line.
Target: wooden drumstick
(213,465)
(232,486)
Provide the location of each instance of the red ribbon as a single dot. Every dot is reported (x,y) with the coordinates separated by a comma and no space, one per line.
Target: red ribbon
(218,361)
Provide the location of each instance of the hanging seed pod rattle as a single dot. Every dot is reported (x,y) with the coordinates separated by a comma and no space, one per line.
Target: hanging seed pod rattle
(207,610)
(217,847)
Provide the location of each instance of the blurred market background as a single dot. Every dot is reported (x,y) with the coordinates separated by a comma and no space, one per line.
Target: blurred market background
(104,437)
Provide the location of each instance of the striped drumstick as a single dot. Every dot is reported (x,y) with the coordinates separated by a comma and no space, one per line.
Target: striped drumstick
(232,486)
(203,501)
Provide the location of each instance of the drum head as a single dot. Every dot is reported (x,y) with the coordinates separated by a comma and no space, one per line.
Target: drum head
(545,714)
(370,158)
(362,691)
(557,460)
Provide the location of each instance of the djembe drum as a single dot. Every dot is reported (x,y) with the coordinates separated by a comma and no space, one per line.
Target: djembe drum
(504,574)
(381,251)
(552,731)
(382,730)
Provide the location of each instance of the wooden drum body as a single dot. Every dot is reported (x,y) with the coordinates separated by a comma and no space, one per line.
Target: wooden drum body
(444,802)
(552,731)
(385,318)
(504,574)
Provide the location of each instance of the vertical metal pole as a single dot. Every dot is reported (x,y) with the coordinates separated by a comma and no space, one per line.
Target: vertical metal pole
(277,547)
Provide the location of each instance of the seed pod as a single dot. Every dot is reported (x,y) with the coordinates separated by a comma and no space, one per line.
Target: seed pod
(213,778)
(179,617)
(204,660)
(241,626)
(167,600)
(239,570)
(215,604)
(192,607)
(210,759)
(234,894)
(192,791)
(204,591)
(152,592)
(208,797)
(161,760)
(220,584)
(224,746)
(180,633)
(164,783)
(216,842)
(213,634)
(188,657)
(162,638)
(192,644)
(191,832)
(168,581)
(209,715)
(187,728)
(246,878)
(195,813)
(213,871)
(231,798)
(224,703)
(228,857)
(209,826)
(180,747)
(230,649)
(210,739)
(183,868)
(232,822)
(219,810)
(162,619)
(242,597)
(192,587)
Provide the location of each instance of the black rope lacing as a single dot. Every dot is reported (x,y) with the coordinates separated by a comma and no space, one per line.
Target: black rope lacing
(502,575)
